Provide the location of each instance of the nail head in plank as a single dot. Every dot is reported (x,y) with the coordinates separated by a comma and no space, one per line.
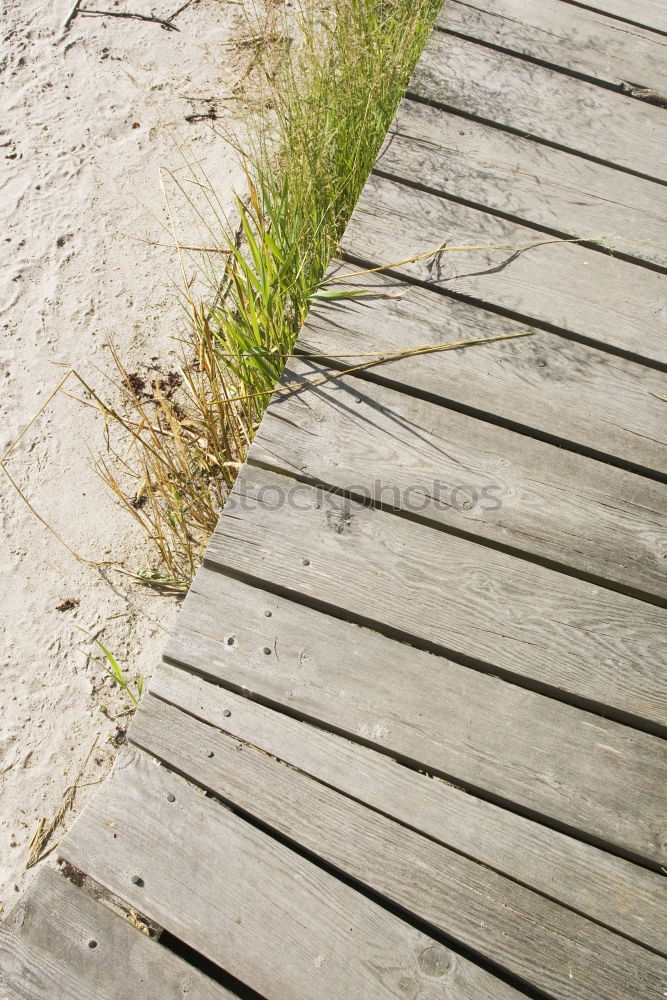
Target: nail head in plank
(530,99)
(58,943)
(609,302)
(268,916)
(557,951)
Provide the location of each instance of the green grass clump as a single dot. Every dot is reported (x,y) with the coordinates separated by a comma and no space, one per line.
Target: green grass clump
(113,669)
(330,100)
(333,105)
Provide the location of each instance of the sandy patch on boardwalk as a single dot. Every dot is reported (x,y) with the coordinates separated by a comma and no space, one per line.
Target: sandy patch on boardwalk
(87,120)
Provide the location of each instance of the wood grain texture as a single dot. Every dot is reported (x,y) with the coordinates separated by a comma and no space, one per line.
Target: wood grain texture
(615,893)
(609,302)
(456,471)
(649,13)
(549,759)
(461,75)
(559,192)
(540,627)
(542,383)
(536,904)
(46,953)
(575,39)
(268,916)
(537,940)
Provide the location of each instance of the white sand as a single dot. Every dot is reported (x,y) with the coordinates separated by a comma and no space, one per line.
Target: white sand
(87,121)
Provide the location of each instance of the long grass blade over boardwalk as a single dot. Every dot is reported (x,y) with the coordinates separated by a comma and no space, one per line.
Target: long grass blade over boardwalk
(408,738)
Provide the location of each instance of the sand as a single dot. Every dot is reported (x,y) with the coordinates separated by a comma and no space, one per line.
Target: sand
(88,119)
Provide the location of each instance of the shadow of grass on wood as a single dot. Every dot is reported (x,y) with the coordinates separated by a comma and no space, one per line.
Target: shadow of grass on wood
(314,142)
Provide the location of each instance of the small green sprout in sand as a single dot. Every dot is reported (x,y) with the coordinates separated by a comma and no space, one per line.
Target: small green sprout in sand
(113,670)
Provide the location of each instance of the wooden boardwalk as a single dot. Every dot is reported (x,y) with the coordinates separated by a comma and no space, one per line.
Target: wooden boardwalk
(408,737)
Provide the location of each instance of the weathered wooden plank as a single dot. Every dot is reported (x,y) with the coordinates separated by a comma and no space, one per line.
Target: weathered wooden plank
(543,944)
(615,893)
(60,944)
(543,103)
(575,39)
(648,13)
(549,759)
(540,627)
(454,470)
(557,191)
(268,916)
(545,384)
(608,302)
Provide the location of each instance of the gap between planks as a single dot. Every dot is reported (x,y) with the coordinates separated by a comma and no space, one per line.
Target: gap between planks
(608,303)
(493,611)
(509,92)
(458,473)
(648,14)
(552,949)
(544,386)
(265,914)
(582,43)
(58,943)
(515,178)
